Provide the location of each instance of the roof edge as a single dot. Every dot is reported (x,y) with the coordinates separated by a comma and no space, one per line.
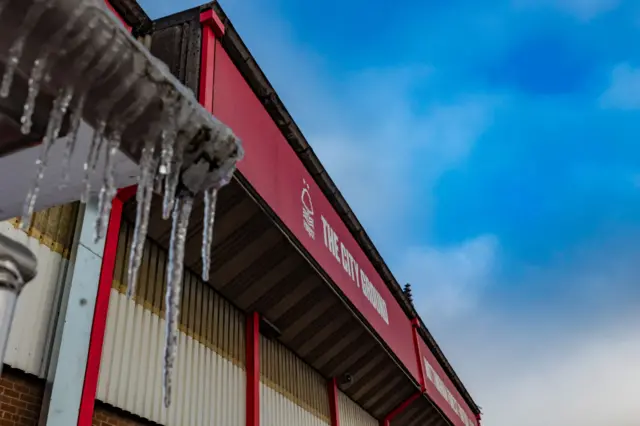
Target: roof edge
(133,14)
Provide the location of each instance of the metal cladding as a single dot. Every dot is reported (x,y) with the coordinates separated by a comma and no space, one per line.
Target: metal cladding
(50,236)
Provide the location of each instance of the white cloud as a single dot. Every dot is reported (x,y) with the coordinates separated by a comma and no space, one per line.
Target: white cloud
(378,148)
(588,377)
(447,282)
(624,89)
(385,159)
(538,364)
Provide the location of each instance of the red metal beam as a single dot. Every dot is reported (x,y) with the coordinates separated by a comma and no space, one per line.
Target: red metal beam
(253,369)
(92,371)
(399,409)
(416,326)
(207,62)
(210,19)
(212,27)
(332,386)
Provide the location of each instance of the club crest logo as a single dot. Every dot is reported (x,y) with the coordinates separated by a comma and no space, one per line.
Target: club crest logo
(307,211)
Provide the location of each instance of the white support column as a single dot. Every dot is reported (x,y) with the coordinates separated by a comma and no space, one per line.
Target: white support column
(67,365)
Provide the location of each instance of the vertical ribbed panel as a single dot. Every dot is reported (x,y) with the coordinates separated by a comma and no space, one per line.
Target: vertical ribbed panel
(351,414)
(50,237)
(209,381)
(291,392)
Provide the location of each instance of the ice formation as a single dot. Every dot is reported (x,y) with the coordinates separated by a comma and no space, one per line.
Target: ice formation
(175,155)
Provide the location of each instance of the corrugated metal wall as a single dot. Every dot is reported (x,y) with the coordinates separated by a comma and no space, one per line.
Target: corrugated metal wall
(209,385)
(50,237)
(351,414)
(291,392)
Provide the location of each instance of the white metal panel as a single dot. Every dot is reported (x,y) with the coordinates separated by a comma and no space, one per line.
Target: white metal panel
(351,414)
(208,388)
(278,410)
(20,169)
(209,378)
(32,329)
(292,392)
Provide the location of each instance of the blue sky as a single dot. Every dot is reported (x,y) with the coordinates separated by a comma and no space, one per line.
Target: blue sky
(491,149)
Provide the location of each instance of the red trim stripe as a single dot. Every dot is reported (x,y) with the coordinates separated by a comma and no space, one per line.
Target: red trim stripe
(127,26)
(92,372)
(253,370)
(207,61)
(399,409)
(334,408)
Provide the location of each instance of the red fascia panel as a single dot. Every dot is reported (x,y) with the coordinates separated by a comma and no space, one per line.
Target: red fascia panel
(415,324)
(332,387)
(207,60)
(253,369)
(127,26)
(96,340)
(276,173)
(441,390)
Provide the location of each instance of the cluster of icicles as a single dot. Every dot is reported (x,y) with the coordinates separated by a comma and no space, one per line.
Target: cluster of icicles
(159,171)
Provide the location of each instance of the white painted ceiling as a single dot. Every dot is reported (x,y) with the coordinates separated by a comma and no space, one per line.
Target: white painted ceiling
(18,170)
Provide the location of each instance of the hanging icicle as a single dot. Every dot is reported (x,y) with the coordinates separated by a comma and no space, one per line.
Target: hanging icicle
(210,199)
(98,55)
(181,213)
(120,122)
(58,112)
(15,52)
(144,196)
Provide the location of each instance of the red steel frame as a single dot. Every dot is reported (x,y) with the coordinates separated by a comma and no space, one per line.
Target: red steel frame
(253,369)
(399,409)
(332,387)
(96,340)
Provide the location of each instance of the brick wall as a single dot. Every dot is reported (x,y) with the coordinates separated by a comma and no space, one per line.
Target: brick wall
(105,415)
(20,398)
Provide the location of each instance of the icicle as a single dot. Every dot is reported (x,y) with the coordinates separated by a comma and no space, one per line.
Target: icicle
(168,136)
(108,189)
(181,213)
(40,65)
(126,117)
(76,41)
(76,118)
(15,51)
(72,138)
(92,157)
(144,196)
(96,71)
(172,179)
(210,199)
(107,106)
(181,139)
(58,112)
(37,72)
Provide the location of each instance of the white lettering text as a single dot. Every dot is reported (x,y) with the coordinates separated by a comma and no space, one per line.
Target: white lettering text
(446,393)
(351,267)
